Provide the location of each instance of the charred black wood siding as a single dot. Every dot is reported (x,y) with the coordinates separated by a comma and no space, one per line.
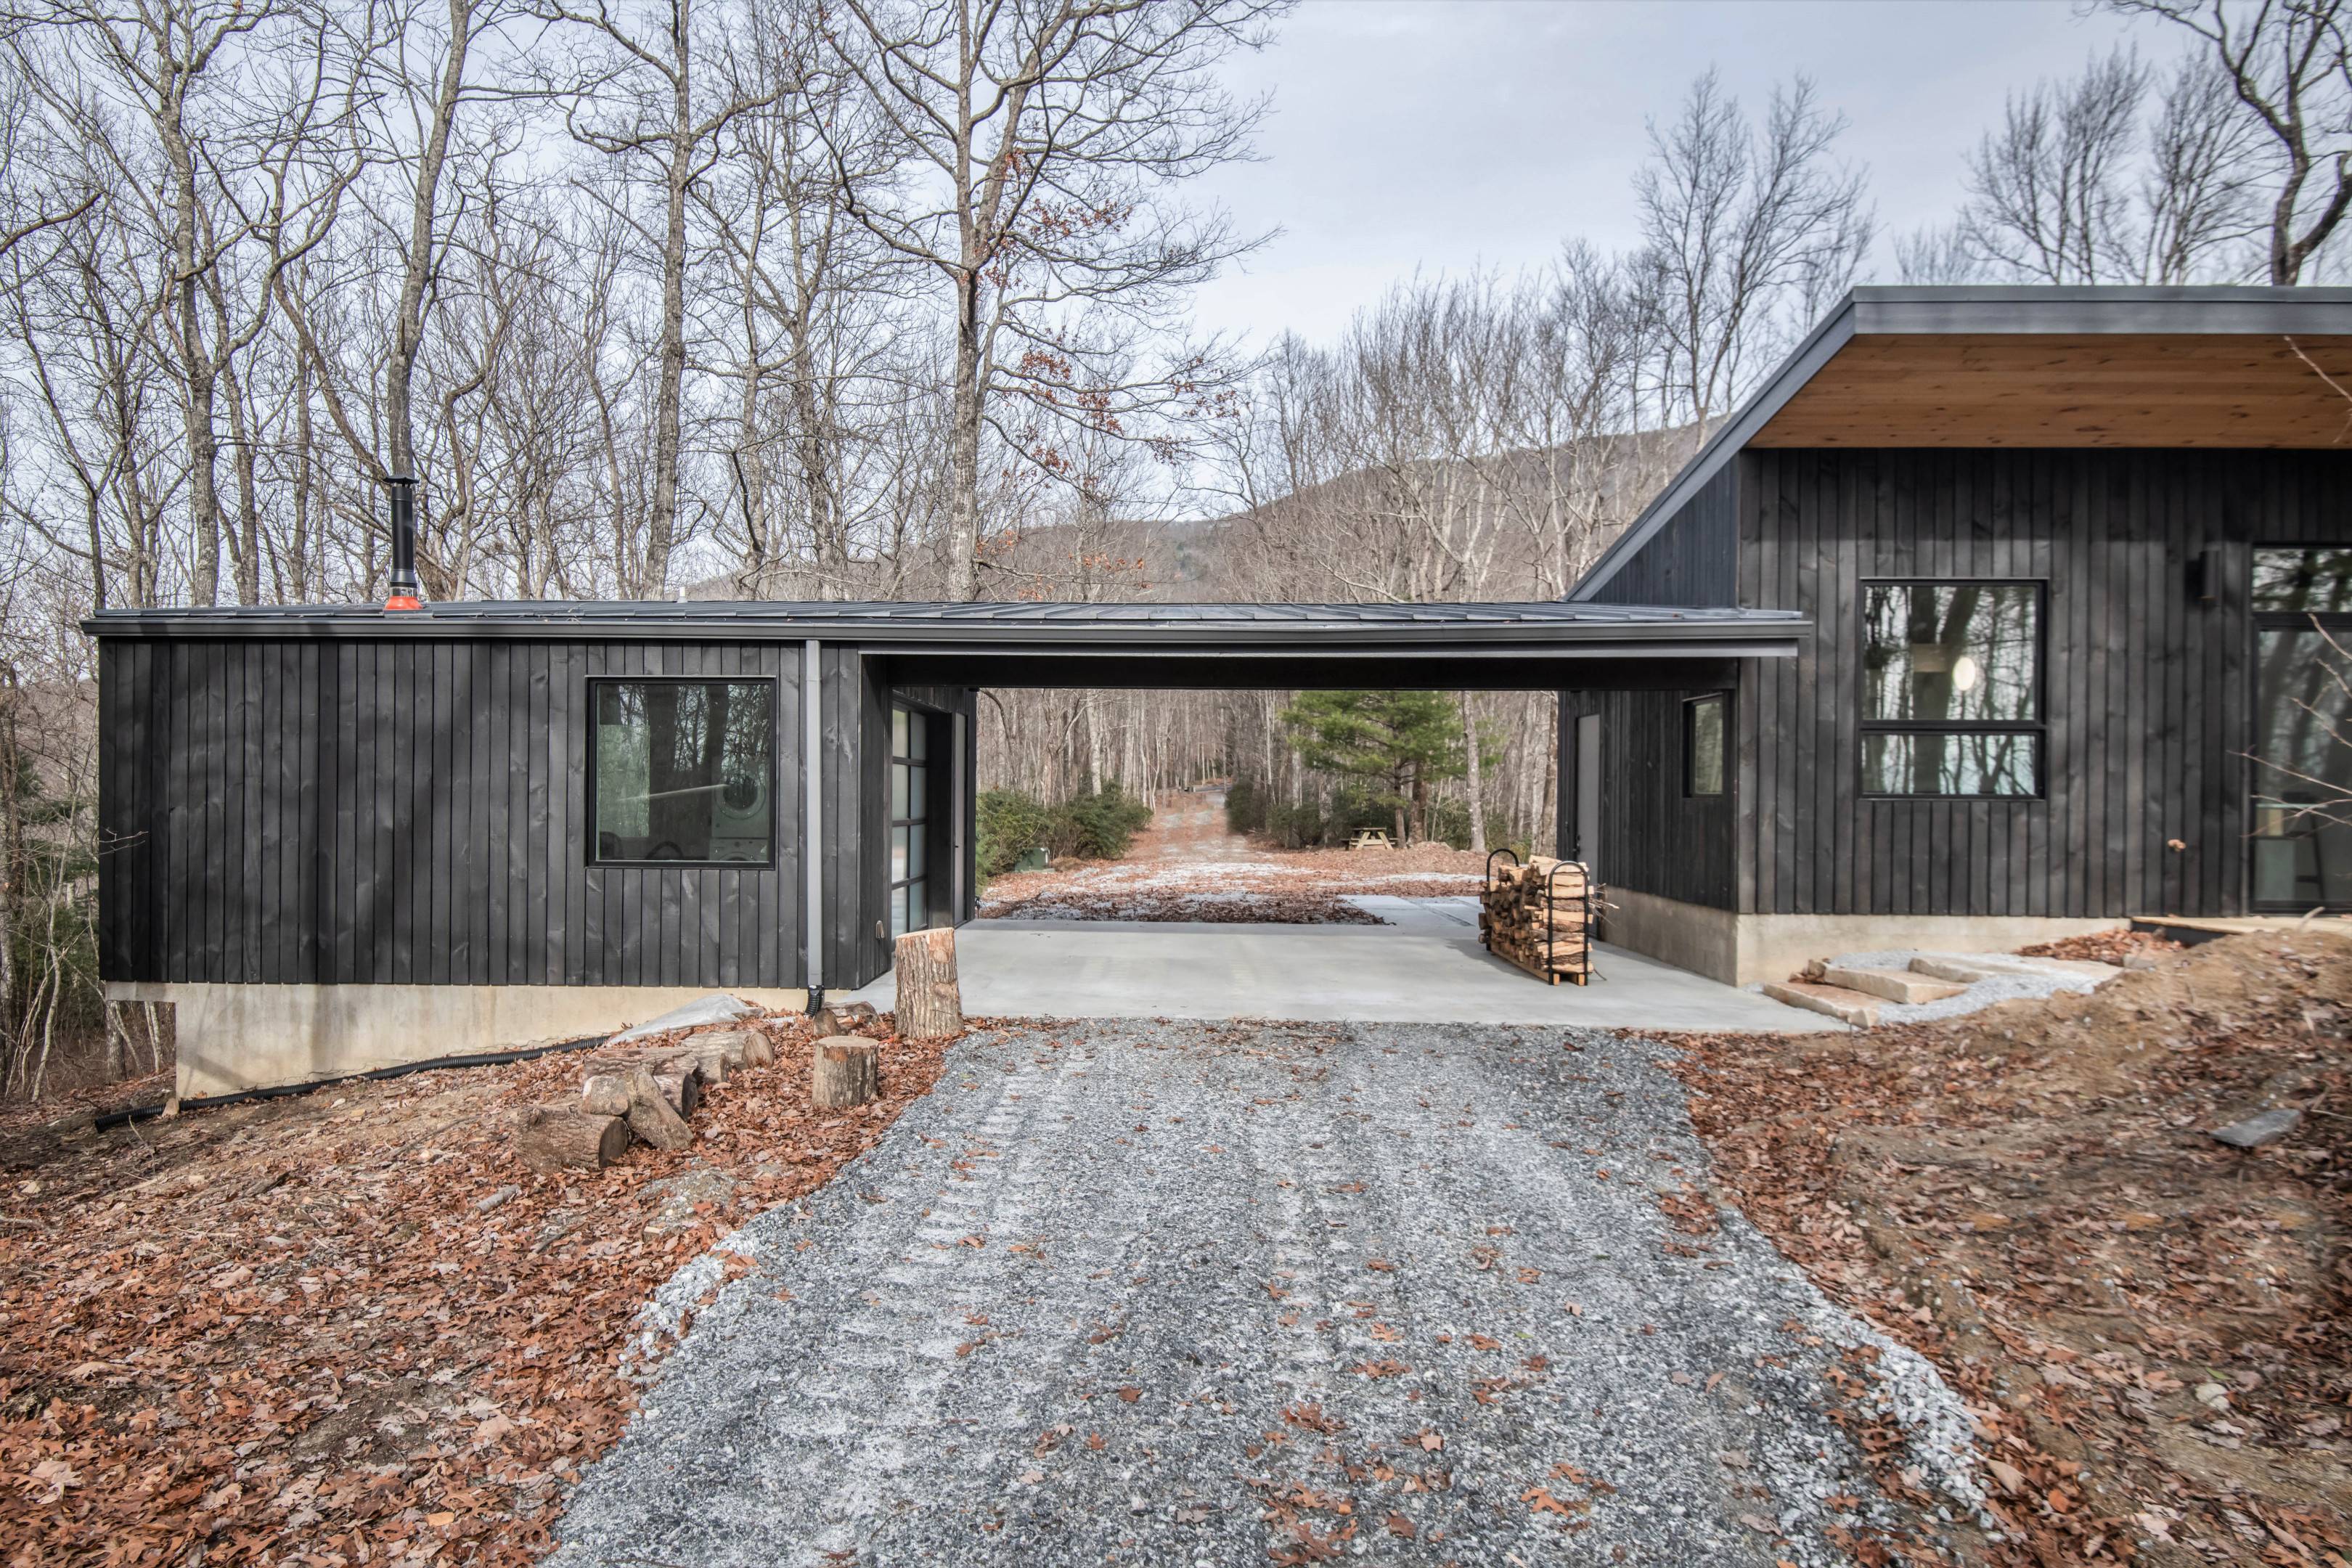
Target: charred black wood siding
(410,812)
(1694,558)
(1654,837)
(2147,702)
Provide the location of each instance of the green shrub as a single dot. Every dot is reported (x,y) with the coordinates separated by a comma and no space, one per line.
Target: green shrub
(1245,807)
(1010,825)
(1098,827)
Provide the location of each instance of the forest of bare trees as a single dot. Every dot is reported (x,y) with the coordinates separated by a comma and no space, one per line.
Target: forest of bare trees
(889,299)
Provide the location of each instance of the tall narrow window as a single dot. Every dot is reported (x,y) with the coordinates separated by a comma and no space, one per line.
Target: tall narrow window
(1703,726)
(683,770)
(1951,689)
(910,795)
(2301,774)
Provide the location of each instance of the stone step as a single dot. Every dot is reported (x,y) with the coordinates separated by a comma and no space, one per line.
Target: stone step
(1894,985)
(1846,1006)
(1966,971)
(1969,968)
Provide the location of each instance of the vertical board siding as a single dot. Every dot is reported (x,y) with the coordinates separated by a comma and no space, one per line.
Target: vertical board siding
(2147,689)
(1694,559)
(409,812)
(1654,838)
(2146,701)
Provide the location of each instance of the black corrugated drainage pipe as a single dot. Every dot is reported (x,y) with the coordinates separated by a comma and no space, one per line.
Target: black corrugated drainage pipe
(279,1091)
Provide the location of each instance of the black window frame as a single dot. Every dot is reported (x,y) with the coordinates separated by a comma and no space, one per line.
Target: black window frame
(1691,706)
(776,772)
(2337,623)
(2037,726)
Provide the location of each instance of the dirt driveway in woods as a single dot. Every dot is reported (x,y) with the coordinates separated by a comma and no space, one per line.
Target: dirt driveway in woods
(1211,1293)
(1187,866)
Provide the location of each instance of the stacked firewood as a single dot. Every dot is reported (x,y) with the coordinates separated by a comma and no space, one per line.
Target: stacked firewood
(1539,920)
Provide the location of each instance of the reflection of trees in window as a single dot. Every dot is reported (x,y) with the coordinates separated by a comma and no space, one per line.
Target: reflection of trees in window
(2302,815)
(1951,689)
(683,769)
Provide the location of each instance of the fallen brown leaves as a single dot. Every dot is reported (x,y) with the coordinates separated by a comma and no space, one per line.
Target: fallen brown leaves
(351,1324)
(2105,946)
(2151,1330)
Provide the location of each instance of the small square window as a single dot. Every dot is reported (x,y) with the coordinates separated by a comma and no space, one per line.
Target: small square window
(683,770)
(1703,730)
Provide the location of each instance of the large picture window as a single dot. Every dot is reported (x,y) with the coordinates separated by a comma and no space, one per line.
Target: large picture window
(2302,729)
(684,771)
(1951,689)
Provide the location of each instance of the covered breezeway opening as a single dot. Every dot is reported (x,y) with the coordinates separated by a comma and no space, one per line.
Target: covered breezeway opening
(931,672)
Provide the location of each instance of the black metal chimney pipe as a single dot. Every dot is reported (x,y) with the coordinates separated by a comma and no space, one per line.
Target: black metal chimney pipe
(404,544)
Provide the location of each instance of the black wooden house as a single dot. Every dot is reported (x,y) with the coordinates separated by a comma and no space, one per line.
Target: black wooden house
(2068,560)
(1965,631)
(343,837)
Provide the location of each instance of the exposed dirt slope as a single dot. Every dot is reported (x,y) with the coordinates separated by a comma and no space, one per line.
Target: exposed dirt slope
(2153,1327)
(351,1323)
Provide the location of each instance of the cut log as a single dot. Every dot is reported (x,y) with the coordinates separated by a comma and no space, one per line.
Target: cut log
(930,1008)
(561,1137)
(651,1115)
(604,1093)
(738,1047)
(709,1057)
(843,1017)
(680,1083)
(847,1071)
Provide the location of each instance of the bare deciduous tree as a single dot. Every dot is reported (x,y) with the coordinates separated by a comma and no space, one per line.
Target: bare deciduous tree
(1044,138)
(1747,234)
(2287,63)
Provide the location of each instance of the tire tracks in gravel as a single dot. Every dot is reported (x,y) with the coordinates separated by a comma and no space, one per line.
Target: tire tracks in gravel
(1210,1293)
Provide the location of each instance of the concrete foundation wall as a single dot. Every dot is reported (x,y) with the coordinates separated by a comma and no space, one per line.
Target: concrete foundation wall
(235,1037)
(1742,950)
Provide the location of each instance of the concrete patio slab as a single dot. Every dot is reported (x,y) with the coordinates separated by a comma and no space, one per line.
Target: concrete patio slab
(1425,965)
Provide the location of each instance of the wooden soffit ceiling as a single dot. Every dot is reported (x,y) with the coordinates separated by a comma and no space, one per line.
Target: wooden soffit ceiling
(2101,390)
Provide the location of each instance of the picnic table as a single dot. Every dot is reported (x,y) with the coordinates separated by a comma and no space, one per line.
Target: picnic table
(1371,839)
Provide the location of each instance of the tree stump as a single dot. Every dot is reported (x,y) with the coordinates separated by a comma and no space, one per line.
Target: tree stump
(560,1137)
(847,1071)
(929,1005)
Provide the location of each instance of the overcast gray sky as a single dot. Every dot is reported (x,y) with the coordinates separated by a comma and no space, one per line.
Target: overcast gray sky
(1446,133)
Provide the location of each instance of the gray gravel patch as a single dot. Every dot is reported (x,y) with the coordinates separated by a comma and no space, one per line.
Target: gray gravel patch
(1208,1293)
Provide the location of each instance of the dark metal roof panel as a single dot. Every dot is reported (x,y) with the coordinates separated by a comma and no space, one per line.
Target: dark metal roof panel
(977,628)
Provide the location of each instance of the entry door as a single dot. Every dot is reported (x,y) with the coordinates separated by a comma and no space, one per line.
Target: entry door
(910,819)
(1588,793)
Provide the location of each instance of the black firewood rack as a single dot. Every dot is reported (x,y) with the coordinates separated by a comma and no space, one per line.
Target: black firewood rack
(1584,974)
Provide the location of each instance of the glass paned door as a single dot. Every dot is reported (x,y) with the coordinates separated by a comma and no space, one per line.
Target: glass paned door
(910,795)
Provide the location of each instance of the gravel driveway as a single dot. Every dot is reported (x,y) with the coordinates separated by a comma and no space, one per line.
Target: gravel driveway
(1215,1293)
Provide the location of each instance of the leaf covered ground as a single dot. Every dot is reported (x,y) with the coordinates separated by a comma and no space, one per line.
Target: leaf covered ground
(350,1327)
(1187,866)
(2154,1330)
